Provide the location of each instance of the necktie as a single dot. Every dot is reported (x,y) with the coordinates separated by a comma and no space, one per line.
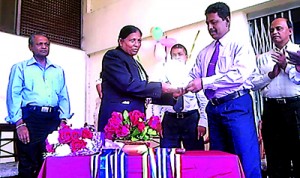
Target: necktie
(178,107)
(209,93)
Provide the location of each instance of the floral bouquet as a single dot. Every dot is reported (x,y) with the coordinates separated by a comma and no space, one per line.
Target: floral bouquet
(70,142)
(132,126)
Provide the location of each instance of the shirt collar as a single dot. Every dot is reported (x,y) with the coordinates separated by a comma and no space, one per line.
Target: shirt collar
(33,61)
(224,40)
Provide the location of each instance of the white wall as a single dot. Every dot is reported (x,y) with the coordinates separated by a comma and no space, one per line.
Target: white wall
(102,24)
(15,48)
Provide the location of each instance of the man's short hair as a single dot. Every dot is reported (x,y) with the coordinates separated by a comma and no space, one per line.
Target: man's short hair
(221,8)
(32,36)
(178,46)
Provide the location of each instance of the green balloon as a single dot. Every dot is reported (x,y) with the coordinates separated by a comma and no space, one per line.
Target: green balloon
(157,33)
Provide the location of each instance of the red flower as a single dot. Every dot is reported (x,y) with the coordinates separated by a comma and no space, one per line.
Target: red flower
(65,135)
(136,116)
(77,145)
(141,126)
(87,133)
(131,126)
(75,134)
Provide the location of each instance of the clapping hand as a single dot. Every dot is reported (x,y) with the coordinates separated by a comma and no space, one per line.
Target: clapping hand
(280,59)
(275,72)
(294,57)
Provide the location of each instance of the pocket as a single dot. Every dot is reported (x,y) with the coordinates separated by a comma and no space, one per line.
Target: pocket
(224,63)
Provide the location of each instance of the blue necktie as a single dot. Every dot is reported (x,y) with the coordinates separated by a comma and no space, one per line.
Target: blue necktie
(209,93)
(178,107)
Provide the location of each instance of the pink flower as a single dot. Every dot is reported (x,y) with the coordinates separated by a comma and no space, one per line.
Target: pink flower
(115,122)
(117,115)
(123,131)
(49,147)
(109,135)
(154,123)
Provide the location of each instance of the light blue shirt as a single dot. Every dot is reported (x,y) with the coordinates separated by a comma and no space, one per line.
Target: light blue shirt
(30,83)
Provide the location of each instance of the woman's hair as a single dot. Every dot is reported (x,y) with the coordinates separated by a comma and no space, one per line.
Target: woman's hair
(127,30)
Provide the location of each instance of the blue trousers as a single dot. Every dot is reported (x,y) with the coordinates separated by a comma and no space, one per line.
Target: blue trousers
(232,129)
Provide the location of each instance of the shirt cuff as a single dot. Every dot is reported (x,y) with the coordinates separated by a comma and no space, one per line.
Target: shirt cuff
(99,81)
(203,122)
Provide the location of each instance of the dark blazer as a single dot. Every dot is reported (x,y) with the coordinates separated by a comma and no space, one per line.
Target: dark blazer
(123,88)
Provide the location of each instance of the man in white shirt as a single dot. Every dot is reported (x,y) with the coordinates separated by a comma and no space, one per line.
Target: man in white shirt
(186,125)
(277,81)
(222,70)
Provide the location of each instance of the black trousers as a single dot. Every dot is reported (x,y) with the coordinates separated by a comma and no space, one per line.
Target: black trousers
(177,130)
(39,125)
(281,135)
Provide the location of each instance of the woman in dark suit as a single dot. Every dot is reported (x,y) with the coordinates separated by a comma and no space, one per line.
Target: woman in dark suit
(125,83)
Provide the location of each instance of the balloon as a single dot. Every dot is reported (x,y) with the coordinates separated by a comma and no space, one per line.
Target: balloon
(157,33)
(167,42)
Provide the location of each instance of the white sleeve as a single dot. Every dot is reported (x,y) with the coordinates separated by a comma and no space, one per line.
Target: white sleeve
(202,102)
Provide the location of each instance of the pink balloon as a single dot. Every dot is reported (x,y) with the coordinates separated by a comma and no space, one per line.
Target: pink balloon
(168,42)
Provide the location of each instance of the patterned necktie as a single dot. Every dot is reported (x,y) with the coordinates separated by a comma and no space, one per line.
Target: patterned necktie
(178,107)
(209,93)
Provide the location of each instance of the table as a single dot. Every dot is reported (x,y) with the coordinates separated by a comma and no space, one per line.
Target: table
(194,164)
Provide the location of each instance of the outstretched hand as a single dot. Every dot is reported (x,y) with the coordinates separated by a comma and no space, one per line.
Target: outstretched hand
(194,85)
(179,92)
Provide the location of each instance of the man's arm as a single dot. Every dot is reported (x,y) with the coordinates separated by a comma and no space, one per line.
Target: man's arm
(98,87)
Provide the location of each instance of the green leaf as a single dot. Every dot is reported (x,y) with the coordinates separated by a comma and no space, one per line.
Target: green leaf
(134,139)
(152,132)
(126,120)
(135,132)
(145,131)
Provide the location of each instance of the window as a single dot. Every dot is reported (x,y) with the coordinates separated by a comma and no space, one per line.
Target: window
(59,19)
(8,16)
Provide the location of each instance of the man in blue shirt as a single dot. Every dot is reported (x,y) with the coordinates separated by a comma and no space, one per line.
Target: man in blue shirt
(37,103)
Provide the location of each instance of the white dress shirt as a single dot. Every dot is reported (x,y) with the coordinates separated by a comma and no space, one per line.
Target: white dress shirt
(235,65)
(285,84)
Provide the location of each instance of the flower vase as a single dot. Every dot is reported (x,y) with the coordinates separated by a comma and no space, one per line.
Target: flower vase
(135,147)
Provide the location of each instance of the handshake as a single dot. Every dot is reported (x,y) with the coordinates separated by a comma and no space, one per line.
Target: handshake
(193,86)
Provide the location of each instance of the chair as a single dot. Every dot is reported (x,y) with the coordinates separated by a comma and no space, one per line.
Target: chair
(8,150)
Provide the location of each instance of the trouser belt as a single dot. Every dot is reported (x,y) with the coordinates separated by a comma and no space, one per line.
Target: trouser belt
(181,115)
